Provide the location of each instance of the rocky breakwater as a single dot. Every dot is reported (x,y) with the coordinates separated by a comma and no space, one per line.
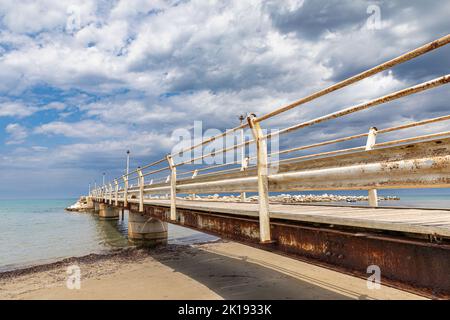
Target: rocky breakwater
(288,198)
(82,205)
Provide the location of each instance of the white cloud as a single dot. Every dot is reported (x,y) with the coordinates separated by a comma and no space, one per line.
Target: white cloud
(17,133)
(84,129)
(15,109)
(30,16)
(59,106)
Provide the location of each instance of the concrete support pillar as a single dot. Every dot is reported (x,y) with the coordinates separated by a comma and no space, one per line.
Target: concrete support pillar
(90,202)
(108,212)
(96,206)
(146,231)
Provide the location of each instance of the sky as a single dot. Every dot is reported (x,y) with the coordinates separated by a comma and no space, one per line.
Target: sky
(83,81)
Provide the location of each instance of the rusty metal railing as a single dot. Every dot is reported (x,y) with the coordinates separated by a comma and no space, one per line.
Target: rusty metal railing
(297,172)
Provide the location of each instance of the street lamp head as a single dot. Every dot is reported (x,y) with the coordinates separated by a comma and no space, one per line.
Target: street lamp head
(128,151)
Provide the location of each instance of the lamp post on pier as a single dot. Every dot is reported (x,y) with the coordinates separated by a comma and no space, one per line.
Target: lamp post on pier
(128,162)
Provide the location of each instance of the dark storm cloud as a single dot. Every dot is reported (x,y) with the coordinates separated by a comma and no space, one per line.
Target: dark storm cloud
(316,17)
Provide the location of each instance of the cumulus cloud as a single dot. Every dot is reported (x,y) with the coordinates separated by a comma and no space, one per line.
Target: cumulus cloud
(15,109)
(83,129)
(17,133)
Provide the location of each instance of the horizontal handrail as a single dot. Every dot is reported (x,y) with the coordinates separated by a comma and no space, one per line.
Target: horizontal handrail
(415,124)
(211,139)
(382,67)
(362,135)
(363,106)
(220,151)
(156,171)
(412,139)
(377,145)
(145,167)
(210,167)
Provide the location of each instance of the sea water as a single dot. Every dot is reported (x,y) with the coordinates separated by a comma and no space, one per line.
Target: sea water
(40,231)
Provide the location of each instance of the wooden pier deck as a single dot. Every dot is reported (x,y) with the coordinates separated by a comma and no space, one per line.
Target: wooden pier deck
(420,221)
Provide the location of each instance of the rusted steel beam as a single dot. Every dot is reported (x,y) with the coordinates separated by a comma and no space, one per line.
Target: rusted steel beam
(409,263)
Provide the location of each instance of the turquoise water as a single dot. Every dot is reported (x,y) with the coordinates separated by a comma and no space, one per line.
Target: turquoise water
(41,231)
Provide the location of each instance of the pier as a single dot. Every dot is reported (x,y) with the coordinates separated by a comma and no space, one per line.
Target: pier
(410,246)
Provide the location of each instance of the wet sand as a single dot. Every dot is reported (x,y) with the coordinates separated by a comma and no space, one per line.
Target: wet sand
(220,270)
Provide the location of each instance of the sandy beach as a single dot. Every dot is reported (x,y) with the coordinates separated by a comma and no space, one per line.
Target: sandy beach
(220,270)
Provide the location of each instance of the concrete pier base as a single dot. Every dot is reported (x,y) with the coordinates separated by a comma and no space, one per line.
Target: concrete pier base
(89,203)
(107,212)
(146,231)
(96,207)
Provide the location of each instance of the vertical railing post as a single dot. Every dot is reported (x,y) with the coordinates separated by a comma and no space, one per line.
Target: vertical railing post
(110,193)
(125,191)
(173,188)
(116,196)
(193,177)
(263,181)
(243,158)
(371,140)
(141,190)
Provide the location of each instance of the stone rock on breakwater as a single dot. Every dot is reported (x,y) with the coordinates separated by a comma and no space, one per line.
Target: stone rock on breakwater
(80,205)
(287,198)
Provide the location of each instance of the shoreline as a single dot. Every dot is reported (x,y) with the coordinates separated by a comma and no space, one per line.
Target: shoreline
(212,270)
(60,262)
(113,253)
